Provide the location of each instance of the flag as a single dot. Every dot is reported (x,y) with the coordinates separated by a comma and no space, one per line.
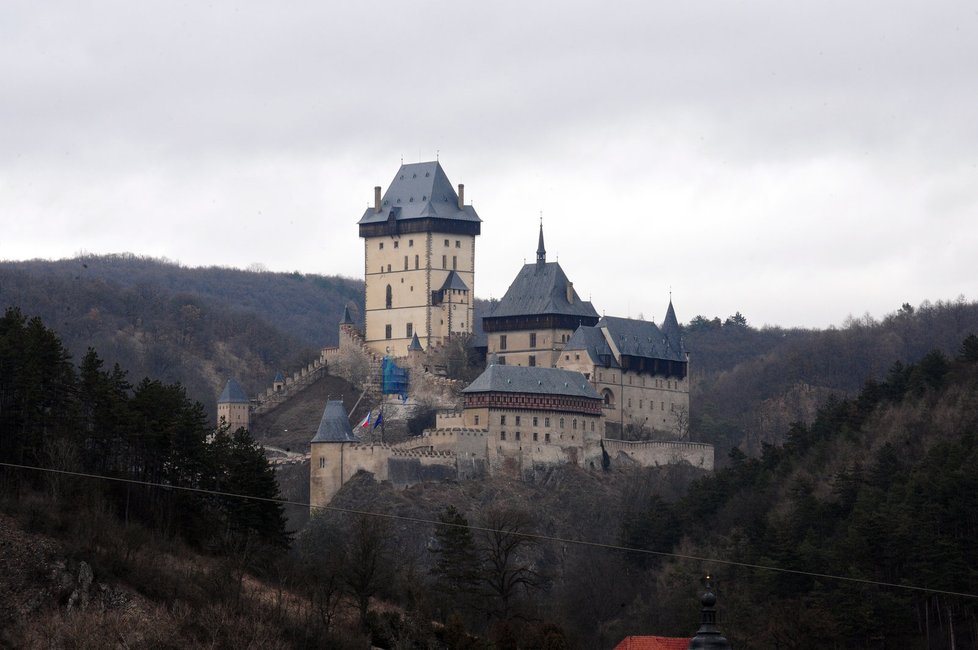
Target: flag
(366,421)
(379,419)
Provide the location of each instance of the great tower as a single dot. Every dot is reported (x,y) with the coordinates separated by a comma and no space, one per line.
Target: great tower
(419,260)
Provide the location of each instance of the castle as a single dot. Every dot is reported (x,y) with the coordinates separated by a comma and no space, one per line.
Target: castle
(561,385)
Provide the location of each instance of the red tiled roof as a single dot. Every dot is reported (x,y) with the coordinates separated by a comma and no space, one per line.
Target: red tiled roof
(653,643)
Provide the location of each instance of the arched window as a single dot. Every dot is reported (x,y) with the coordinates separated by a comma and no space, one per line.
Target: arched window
(390,297)
(609,397)
(561,423)
(415,261)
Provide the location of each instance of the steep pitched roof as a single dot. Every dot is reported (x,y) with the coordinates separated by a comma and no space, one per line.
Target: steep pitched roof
(233,393)
(591,340)
(347,319)
(279,378)
(671,329)
(420,191)
(415,345)
(639,338)
(454,281)
(652,643)
(335,425)
(537,380)
(541,289)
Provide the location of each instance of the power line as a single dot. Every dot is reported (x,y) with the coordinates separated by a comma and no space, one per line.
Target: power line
(534,536)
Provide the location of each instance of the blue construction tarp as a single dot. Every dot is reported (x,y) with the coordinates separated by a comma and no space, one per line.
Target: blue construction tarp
(394,380)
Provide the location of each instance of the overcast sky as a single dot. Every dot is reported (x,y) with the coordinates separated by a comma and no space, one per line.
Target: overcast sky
(797,161)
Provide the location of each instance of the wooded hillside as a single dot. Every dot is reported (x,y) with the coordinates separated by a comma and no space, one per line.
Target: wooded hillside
(196,326)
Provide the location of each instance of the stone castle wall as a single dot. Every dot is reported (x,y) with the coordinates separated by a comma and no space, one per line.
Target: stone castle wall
(655,453)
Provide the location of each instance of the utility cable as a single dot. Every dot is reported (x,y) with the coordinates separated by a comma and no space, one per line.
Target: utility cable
(486,529)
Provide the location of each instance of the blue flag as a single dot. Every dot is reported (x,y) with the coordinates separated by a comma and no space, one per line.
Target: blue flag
(379,419)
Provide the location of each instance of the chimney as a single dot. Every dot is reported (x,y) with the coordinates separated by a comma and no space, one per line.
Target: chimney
(461,196)
(377,198)
(570,293)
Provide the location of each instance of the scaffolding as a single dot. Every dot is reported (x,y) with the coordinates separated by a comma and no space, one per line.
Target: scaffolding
(394,379)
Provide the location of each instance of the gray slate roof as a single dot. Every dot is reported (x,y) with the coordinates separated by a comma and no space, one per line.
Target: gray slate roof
(415,345)
(591,340)
(454,281)
(347,319)
(335,425)
(233,393)
(420,191)
(671,329)
(639,338)
(524,379)
(279,378)
(541,289)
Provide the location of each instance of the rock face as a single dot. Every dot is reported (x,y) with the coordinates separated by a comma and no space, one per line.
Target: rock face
(35,575)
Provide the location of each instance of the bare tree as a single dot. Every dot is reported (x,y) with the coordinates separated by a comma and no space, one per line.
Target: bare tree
(680,419)
(367,562)
(507,571)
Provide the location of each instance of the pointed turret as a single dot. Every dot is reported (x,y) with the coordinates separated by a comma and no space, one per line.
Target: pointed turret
(415,345)
(541,251)
(347,319)
(335,425)
(671,330)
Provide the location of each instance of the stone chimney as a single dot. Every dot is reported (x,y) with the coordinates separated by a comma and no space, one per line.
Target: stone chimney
(461,196)
(377,198)
(570,292)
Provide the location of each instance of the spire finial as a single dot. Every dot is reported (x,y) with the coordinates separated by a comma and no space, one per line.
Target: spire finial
(541,251)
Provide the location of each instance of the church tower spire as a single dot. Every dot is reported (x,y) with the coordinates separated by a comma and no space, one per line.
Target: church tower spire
(541,251)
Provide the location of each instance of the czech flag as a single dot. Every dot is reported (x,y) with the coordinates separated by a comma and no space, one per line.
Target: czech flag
(366,421)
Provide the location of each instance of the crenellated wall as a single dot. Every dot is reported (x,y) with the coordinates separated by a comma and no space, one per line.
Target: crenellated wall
(655,453)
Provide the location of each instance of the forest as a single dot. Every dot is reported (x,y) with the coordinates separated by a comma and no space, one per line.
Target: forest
(858,531)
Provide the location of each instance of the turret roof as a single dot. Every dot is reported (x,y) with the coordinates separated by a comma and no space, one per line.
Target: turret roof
(454,281)
(415,345)
(420,191)
(537,380)
(347,319)
(335,425)
(233,393)
(671,329)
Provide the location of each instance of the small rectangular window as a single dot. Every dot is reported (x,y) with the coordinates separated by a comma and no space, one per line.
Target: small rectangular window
(533,339)
(446,242)
(387,331)
(535,436)
(410,243)
(454,262)
(546,437)
(458,244)
(534,420)
(502,341)
(396,243)
(477,420)
(444,261)
(405,262)
(322,462)
(502,419)
(415,261)
(517,435)
(501,360)
(409,330)
(517,420)
(502,435)
(381,245)
(546,422)
(533,361)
